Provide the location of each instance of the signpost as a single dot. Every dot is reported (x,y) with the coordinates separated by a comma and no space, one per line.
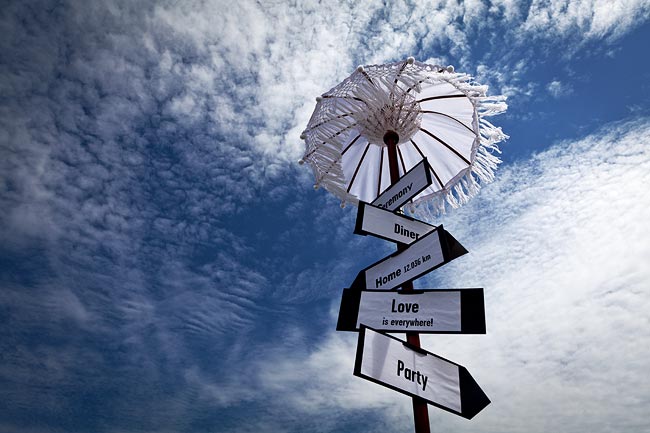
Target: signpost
(413,371)
(391,118)
(421,257)
(371,305)
(452,311)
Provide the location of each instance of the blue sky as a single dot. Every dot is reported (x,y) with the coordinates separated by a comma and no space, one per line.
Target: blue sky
(166,266)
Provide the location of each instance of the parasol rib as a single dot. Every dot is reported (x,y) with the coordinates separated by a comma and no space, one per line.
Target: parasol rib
(447,115)
(340,116)
(446,145)
(430,166)
(399,73)
(431,98)
(356,98)
(356,170)
(415,85)
(342,153)
(307,155)
(365,74)
(381,166)
(401,159)
(350,145)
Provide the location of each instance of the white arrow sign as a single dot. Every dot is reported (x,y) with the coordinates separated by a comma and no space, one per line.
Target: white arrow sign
(452,311)
(424,255)
(372,220)
(397,365)
(407,187)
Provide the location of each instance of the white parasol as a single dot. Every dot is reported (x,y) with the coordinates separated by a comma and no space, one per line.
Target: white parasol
(430,111)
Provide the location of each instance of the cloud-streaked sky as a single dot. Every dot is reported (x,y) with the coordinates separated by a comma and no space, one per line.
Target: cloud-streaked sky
(166,266)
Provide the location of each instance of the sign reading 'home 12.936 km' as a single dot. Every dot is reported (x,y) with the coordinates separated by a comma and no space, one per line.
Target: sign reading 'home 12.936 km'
(413,371)
(447,311)
(421,257)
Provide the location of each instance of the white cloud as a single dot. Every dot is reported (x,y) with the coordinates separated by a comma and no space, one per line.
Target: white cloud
(238,80)
(135,134)
(562,254)
(592,19)
(524,33)
(558,89)
(561,245)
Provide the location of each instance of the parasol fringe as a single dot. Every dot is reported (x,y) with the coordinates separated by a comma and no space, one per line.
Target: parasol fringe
(467,184)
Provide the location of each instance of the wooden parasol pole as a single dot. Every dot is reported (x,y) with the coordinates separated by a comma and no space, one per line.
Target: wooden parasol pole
(420,411)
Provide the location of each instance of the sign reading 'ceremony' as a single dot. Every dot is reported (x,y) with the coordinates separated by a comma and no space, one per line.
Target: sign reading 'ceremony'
(452,311)
(407,187)
(413,371)
(422,256)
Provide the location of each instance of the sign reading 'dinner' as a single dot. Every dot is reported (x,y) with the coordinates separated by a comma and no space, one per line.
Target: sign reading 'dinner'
(424,255)
(450,311)
(393,363)
(387,225)
(407,187)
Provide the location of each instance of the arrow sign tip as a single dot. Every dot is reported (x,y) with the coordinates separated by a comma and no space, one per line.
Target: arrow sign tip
(349,310)
(359,282)
(454,248)
(473,399)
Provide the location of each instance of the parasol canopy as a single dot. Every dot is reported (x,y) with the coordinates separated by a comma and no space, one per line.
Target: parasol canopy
(431,111)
